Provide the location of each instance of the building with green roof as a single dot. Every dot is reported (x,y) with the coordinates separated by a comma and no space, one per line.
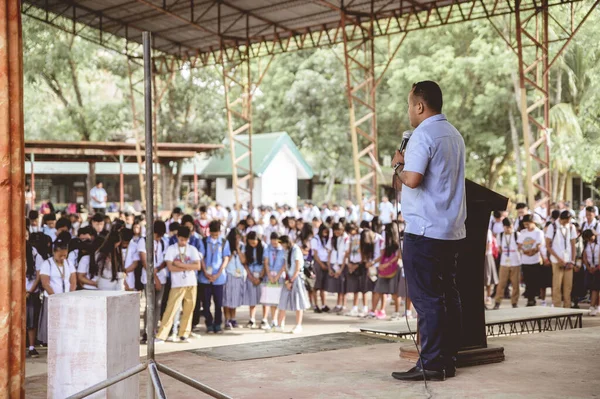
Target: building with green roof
(277,166)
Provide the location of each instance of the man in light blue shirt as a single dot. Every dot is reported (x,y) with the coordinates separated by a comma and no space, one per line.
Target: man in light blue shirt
(432,174)
(212,277)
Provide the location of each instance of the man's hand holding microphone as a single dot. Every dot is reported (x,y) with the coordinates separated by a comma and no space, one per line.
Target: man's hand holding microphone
(398,161)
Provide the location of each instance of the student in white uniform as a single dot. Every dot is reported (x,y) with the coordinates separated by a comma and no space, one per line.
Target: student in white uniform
(591,260)
(387,213)
(160,272)
(57,277)
(320,253)
(590,222)
(183,260)
(531,241)
(510,264)
(32,291)
(108,264)
(337,247)
(560,240)
(131,258)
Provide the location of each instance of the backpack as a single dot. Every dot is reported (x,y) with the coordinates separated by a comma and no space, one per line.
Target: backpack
(495,249)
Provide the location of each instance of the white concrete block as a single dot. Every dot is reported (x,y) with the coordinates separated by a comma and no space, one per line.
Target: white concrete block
(92,336)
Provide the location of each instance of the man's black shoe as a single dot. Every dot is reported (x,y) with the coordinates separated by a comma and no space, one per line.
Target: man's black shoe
(416,374)
(450,372)
(530,303)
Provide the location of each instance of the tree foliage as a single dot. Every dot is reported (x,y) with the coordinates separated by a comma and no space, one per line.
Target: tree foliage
(76,90)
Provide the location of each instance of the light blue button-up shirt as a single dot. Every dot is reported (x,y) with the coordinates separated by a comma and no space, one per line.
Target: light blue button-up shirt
(213,253)
(437,208)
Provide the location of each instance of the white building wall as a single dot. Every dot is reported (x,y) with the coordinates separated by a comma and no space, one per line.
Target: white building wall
(280,181)
(226,197)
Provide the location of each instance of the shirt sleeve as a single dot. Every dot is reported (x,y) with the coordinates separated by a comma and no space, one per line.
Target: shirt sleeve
(226,249)
(298,254)
(141,246)
(170,254)
(45,268)
(550,232)
(418,154)
(84,265)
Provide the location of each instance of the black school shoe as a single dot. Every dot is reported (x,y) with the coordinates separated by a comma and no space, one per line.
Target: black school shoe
(325,309)
(417,374)
(33,353)
(217,329)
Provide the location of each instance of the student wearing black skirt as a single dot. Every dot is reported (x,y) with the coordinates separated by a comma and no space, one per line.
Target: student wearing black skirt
(32,286)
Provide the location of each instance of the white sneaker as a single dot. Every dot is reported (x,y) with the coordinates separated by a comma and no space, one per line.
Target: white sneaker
(395,316)
(297,329)
(365,310)
(543,303)
(173,338)
(277,329)
(352,313)
(194,335)
(593,311)
(158,341)
(408,314)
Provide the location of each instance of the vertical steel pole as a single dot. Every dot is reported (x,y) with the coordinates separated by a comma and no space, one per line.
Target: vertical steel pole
(147,40)
(121,183)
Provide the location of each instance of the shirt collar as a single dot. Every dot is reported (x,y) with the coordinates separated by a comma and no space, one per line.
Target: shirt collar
(434,118)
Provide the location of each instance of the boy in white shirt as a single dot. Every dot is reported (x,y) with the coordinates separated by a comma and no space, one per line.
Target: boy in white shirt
(183,260)
(510,264)
(591,260)
(590,222)
(531,241)
(560,241)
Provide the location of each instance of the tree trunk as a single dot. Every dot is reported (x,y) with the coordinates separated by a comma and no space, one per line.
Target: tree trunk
(562,180)
(555,184)
(165,183)
(177,183)
(330,186)
(514,135)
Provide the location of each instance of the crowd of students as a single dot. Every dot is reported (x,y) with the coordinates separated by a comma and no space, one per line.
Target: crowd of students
(556,248)
(213,261)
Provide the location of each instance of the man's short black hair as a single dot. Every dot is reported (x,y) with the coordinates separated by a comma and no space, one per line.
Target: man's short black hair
(63,222)
(214,226)
(506,222)
(521,205)
(98,182)
(98,217)
(177,210)
(33,214)
(187,219)
(183,231)
(590,209)
(160,228)
(527,219)
(555,214)
(497,214)
(174,226)
(430,93)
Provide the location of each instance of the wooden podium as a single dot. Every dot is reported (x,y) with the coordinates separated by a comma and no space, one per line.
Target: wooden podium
(474,349)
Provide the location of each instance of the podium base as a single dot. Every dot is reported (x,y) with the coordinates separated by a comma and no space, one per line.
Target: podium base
(466,358)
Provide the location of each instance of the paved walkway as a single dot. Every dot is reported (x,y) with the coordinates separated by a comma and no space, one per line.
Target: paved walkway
(538,365)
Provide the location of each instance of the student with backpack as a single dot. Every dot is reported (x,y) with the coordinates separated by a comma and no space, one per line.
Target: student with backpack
(216,254)
(560,241)
(510,264)
(160,272)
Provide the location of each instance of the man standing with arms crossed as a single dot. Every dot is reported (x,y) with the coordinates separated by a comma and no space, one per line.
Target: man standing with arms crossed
(434,206)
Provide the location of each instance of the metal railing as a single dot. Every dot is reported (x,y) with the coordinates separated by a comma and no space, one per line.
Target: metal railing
(155,388)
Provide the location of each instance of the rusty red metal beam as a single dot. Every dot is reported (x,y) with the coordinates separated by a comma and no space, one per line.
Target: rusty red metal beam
(12,201)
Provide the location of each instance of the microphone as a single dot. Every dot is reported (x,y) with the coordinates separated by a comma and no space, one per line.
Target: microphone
(405,137)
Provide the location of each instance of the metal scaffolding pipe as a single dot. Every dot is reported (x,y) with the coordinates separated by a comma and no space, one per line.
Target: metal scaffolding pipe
(147,41)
